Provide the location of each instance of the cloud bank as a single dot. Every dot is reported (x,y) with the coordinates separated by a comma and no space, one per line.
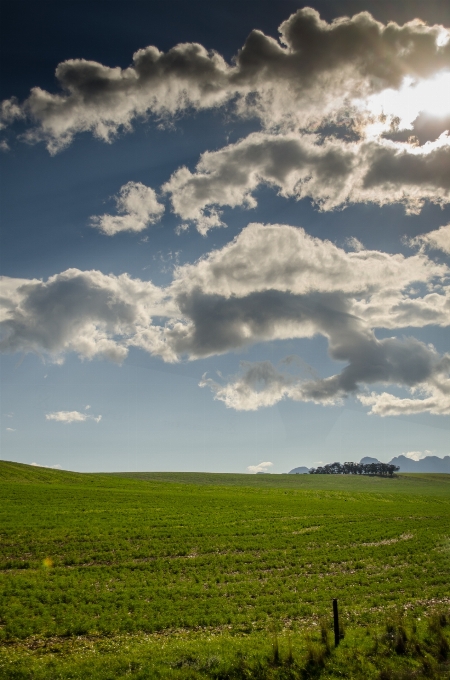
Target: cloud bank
(272,282)
(334,100)
(314,72)
(331,172)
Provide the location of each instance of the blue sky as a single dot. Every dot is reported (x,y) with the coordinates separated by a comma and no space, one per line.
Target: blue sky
(232,250)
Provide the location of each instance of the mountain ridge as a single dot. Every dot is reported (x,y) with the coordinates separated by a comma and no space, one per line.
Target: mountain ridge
(427,464)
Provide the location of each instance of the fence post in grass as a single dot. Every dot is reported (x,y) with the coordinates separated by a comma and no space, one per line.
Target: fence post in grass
(336,622)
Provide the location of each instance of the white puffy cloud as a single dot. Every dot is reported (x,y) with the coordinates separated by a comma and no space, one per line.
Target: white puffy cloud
(416,455)
(11,429)
(391,309)
(310,74)
(439,239)
(258,385)
(89,313)
(261,467)
(10,295)
(332,172)
(138,207)
(386,404)
(71,417)
(279,257)
(271,282)
(103,100)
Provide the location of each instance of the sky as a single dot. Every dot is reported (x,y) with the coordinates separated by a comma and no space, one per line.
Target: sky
(225,233)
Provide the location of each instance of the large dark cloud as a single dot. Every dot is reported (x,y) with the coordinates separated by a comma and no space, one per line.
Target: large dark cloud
(425,128)
(304,78)
(272,282)
(331,172)
(86,312)
(406,363)
(220,324)
(406,169)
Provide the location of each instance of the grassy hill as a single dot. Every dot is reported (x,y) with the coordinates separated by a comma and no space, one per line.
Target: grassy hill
(436,484)
(410,483)
(187,575)
(33,474)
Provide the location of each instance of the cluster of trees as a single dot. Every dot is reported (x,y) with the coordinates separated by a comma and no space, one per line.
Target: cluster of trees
(382,469)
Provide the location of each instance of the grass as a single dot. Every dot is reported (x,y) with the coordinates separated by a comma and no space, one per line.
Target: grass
(415,483)
(184,575)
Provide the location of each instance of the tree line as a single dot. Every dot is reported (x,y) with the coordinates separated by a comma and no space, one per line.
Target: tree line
(381,469)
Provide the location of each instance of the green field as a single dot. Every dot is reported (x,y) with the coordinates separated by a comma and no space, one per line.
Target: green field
(186,575)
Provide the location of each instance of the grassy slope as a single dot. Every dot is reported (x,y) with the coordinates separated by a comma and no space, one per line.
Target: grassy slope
(412,483)
(210,556)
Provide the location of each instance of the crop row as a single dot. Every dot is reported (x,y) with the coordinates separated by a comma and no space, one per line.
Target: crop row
(131,556)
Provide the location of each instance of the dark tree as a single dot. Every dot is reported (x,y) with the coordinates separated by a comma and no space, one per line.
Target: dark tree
(349,468)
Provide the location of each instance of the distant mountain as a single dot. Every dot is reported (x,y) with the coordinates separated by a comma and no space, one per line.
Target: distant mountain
(427,464)
(299,471)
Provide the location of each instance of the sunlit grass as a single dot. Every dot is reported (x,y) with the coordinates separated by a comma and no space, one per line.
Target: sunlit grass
(92,563)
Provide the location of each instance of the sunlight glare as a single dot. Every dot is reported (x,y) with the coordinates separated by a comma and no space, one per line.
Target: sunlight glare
(431,96)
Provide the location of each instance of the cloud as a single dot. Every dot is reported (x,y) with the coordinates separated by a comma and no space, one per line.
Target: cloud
(138,208)
(89,313)
(407,362)
(71,417)
(386,404)
(272,282)
(332,172)
(311,73)
(258,385)
(10,295)
(354,244)
(10,429)
(103,100)
(10,110)
(407,109)
(439,239)
(261,467)
(51,467)
(416,455)
(279,257)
